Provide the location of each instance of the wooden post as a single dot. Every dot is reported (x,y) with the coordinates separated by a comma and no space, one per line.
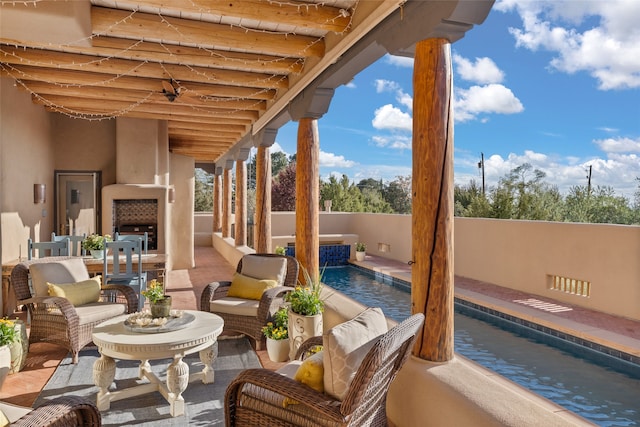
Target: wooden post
(241,203)
(217,203)
(226,204)
(262,235)
(308,196)
(432,218)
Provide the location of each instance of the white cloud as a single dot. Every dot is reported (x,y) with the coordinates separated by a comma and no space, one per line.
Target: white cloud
(386,86)
(391,118)
(399,61)
(493,98)
(619,145)
(398,142)
(350,85)
(601,38)
(330,160)
(482,71)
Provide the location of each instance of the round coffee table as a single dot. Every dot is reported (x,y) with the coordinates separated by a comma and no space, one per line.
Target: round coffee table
(115,341)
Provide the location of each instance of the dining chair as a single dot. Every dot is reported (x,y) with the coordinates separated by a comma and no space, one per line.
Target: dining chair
(76,242)
(59,248)
(144,238)
(121,269)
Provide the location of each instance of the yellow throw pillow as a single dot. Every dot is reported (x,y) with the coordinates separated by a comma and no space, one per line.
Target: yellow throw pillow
(249,288)
(78,293)
(311,373)
(4,421)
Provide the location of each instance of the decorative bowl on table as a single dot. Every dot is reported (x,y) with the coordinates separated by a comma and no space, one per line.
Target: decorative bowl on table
(144,322)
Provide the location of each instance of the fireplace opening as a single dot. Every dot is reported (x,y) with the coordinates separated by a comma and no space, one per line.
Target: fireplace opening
(137,216)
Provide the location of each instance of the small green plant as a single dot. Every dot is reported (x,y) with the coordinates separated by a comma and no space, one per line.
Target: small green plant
(279,328)
(361,247)
(7,332)
(280,250)
(305,298)
(154,291)
(96,242)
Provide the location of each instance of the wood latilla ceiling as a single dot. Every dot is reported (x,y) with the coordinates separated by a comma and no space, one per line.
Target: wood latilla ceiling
(210,68)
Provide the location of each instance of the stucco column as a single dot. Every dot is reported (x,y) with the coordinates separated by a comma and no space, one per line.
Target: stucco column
(226,204)
(217,203)
(262,234)
(432,218)
(241,203)
(308,196)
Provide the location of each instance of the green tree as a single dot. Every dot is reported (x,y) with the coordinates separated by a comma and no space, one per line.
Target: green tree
(279,161)
(203,191)
(344,196)
(283,190)
(398,194)
(601,206)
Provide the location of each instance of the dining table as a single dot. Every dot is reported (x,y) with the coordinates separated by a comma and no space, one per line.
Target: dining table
(151,262)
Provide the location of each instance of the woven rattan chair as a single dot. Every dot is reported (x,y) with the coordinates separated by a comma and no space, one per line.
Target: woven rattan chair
(256,396)
(55,320)
(271,300)
(65,411)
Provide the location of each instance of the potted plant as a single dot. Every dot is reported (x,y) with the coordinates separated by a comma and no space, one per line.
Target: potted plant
(280,250)
(305,311)
(360,251)
(96,244)
(159,303)
(277,334)
(8,336)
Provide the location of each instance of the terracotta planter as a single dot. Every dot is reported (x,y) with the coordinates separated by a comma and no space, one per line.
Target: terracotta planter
(161,308)
(302,328)
(278,350)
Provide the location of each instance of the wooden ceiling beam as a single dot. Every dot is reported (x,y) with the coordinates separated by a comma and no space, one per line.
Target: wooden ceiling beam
(205,133)
(291,12)
(152,97)
(145,26)
(87,79)
(209,127)
(126,67)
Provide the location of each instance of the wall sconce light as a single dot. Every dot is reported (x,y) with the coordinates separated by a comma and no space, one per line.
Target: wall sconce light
(171,194)
(39,193)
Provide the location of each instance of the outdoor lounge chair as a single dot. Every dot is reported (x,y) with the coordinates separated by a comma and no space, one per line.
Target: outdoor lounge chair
(56,319)
(65,411)
(262,397)
(246,315)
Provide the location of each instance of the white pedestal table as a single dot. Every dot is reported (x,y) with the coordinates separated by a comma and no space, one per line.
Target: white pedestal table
(116,341)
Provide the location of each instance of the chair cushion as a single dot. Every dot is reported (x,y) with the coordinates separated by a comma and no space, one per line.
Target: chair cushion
(99,311)
(238,306)
(66,271)
(344,347)
(12,413)
(78,293)
(262,267)
(249,288)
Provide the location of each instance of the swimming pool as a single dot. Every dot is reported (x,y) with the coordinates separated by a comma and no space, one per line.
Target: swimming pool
(568,375)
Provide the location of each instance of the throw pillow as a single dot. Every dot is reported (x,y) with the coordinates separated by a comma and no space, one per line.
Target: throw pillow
(262,267)
(67,271)
(4,421)
(345,345)
(311,373)
(78,293)
(249,288)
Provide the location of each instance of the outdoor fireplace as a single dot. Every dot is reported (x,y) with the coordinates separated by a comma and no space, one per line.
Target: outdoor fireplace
(137,216)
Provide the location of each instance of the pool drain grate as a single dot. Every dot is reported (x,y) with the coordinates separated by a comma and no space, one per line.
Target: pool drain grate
(541,305)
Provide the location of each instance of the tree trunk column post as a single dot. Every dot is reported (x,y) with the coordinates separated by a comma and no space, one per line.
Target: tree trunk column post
(226,204)
(241,203)
(217,203)
(432,218)
(262,235)
(308,196)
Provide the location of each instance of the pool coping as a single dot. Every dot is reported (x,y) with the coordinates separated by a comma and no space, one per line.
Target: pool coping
(624,348)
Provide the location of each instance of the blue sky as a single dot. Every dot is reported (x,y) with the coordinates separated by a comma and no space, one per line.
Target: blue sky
(552,83)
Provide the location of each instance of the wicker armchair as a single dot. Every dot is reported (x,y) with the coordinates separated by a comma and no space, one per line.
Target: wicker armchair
(256,396)
(56,320)
(271,300)
(65,411)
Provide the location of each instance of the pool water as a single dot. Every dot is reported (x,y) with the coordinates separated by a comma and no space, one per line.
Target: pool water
(566,374)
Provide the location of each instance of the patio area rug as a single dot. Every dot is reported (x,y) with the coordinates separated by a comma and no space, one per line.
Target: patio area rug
(204,403)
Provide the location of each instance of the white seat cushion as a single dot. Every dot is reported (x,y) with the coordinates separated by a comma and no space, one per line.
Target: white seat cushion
(345,345)
(232,305)
(14,412)
(66,271)
(97,311)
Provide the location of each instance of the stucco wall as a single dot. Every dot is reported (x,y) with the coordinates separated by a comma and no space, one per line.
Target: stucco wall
(180,212)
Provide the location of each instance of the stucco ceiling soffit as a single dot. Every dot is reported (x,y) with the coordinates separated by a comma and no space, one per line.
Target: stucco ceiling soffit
(311,103)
